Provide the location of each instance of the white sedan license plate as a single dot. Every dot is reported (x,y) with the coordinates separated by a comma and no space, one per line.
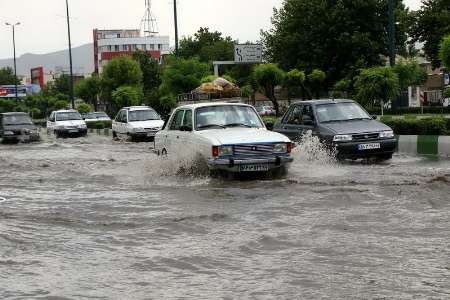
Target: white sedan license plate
(73,130)
(369,146)
(254,168)
(150,134)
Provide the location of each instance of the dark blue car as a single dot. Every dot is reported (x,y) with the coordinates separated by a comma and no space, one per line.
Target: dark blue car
(342,124)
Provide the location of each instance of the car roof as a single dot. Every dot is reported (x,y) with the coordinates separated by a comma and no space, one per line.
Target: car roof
(13,113)
(65,110)
(325,101)
(210,104)
(142,107)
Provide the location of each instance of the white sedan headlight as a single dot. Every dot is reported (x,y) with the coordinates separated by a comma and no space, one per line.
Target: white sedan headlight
(280,148)
(342,138)
(8,133)
(82,126)
(226,151)
(386,134)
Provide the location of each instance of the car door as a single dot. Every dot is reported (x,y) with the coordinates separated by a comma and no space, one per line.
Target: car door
(174,134)
(307,120)
(290,124)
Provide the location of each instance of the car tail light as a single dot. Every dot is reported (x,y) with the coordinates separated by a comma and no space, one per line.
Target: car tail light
(289,147)
(215,151)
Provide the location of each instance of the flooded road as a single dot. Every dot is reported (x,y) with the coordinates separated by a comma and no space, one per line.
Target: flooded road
(94,219)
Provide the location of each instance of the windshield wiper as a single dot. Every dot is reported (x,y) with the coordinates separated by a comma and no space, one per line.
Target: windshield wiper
(330,121)
(211,125)
(238,125)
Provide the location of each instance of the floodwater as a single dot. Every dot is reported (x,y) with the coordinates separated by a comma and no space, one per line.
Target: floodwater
(91,218)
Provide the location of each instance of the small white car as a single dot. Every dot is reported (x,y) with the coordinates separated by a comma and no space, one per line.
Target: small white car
(66,123)
(266,111)
(137,122)
(226,136)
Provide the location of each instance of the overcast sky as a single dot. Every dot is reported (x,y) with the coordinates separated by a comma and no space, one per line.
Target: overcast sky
(43,28)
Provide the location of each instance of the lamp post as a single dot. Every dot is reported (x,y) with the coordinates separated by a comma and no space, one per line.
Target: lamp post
(13,26)
(72,99)
(176,26)
(391,27)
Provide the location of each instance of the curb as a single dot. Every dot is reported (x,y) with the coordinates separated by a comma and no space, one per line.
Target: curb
(424,145)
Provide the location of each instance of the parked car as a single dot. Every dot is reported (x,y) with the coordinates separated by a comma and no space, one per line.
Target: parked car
(226,137)
(343,124)
(66,123)
(266,111)
(95,117)
(137,122)
(17,127)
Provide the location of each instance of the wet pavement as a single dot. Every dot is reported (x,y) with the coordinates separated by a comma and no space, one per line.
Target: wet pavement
(90,218)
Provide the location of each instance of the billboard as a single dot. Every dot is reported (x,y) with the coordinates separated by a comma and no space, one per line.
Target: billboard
(37,76)
(248,54)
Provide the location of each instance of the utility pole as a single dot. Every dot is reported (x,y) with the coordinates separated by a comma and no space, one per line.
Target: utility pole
(13,26)
(176,27)
(72,99)
(391,30)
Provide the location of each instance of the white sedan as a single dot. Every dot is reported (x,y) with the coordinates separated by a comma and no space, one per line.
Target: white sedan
(227,137)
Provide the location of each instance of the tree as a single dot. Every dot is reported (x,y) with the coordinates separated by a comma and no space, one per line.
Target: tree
(315,80)
(268,76)
(119,72)
(207,46)
(409,73)
(336,36)
(84,108)
(431,26)
(127,96)
(151,72)
(182,75)
(444,52)
(7,76)
(88,89)
(377,84)
(294,82)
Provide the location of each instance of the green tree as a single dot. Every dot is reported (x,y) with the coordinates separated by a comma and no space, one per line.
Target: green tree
(431,26)
(410,73)
(343,88)
(207,46)
(336,36)
(151,71)
(377,85)
(268,76)
(127,96)
(294,82)
(7,76)
(444,52)
(119,72)
(84,108)
(182,75)
(316,80)
(88,89)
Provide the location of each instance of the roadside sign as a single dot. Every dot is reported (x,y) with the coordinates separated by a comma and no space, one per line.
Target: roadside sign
(3,93)
(248,54)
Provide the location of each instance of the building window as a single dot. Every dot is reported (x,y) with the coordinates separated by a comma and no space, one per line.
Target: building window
(144,47)
(116,48)
(109,48)
(133,47)
(124,47)
(159,46)
(139,47)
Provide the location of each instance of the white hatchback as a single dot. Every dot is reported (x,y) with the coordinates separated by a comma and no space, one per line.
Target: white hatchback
(66,123)
(227,137)
(137,122)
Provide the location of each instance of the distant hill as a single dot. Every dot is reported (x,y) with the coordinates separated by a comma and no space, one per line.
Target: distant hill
(83,61)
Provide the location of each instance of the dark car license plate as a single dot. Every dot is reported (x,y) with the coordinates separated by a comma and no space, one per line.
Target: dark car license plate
(254,168)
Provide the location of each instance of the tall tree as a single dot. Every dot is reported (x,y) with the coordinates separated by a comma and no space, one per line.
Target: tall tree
(431,26)
(294,83)
(315,80)
(335,36)
(377,85)
(7,76)
(151,72)
(444,52)
(268,76)
(207,46)
(88,89)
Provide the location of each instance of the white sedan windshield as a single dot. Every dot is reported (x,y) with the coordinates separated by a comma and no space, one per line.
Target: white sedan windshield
(226,116)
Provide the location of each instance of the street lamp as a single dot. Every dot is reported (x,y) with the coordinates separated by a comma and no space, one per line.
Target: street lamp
(176,26)
(391,27)
(72,99)
(13,26)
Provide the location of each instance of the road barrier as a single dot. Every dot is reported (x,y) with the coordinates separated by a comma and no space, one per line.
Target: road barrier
(424,145)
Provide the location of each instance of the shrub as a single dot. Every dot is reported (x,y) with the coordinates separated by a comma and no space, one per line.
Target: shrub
(99,124)
(427,126)
(84,108)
